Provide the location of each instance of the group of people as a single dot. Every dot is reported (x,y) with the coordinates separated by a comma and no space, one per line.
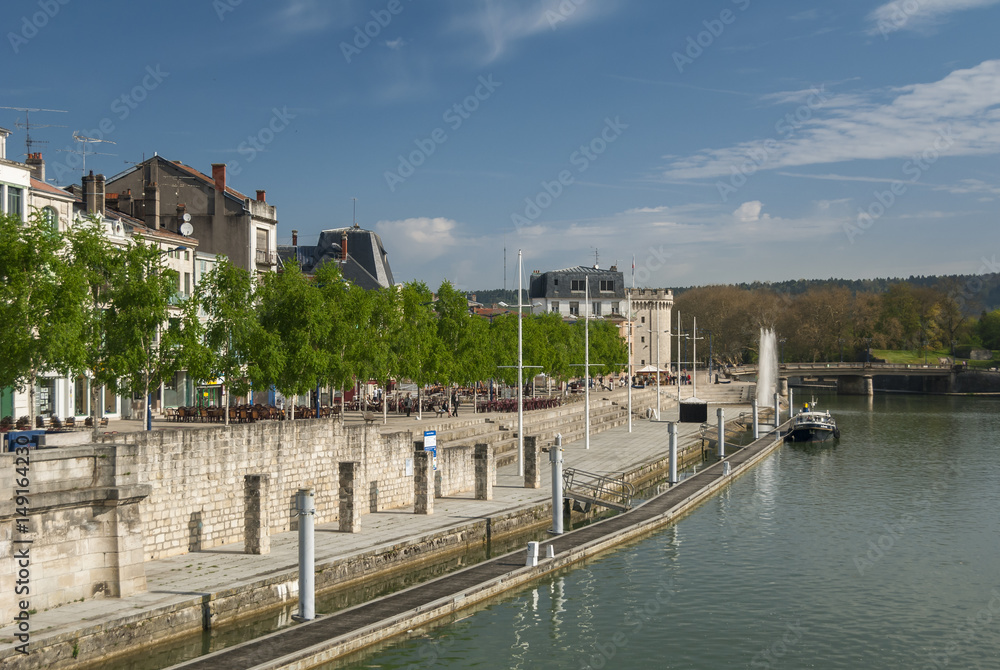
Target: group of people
(408,404)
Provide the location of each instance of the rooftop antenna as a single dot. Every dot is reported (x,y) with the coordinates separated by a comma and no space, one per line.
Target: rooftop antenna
(355,216)
(86,141)
(597,258)
(27,125)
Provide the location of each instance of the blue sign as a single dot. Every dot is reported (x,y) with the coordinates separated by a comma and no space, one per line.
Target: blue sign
(430,444)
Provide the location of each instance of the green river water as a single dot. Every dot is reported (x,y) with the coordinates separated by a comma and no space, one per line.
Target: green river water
(881,551)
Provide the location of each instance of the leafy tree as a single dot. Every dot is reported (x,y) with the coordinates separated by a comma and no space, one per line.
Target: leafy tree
(235,346)
(138,358)
(420,350)
(292,311)
(989,329)
(39,304)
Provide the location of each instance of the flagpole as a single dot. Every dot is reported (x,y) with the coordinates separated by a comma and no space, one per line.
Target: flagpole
(629,380)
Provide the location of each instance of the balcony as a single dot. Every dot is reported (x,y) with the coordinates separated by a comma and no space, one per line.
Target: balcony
(264,257)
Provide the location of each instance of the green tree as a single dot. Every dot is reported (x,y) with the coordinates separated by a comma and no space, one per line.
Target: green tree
(40,300)
(420,349)
(235,346)
(292,311)
(138,340)
(988,329)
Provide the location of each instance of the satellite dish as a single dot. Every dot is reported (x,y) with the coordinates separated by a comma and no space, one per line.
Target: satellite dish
(186,228)
(186,217)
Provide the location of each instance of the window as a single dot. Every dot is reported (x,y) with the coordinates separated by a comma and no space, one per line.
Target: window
(576,284)
(615,309)
(187,255)
(187,283)
(262,239)
(81,396)
(642,339)
(642,362)
(14,200)
(596,309)
(51,218)
(574,309)
(643,320)
(555,282)
(555,305)
(607,284)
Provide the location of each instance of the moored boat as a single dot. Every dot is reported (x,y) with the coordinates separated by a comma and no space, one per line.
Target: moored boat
(812,425)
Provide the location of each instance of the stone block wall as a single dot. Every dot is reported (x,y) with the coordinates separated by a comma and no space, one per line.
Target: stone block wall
(83,526)
(197,476)
(456,471)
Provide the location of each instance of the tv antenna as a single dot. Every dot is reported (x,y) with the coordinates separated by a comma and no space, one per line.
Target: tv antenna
(597,258)
(355,215)
(84,152)
(27,125)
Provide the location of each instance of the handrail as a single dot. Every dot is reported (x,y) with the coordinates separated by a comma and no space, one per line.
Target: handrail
(600,487)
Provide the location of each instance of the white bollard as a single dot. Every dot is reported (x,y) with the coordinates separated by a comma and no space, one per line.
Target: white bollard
(550,551)
(756,423)
(777,411)
(305,505)
(791,403)
(672,435)
(722,432)
(555,458)
(726,469)
(532,560)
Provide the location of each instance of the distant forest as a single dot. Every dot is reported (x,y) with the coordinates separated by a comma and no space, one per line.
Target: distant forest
(983,291)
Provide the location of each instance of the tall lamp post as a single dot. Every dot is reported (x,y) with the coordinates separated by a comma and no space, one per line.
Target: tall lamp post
(149,392)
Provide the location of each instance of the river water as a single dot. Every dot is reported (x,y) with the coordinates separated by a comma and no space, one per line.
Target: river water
(882,551)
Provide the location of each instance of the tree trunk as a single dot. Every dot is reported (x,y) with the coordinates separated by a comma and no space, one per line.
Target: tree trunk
(31,398)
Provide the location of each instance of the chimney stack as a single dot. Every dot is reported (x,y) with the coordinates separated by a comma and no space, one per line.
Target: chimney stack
(37,166)
(93,193)
(125,202)
(219,176)
(152,206)
(343,246)
(261,195)
(181,208)
(295,238)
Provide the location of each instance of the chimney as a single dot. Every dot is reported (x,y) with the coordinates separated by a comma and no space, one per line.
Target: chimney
(93,193)
(37,166)
(152,206)
(343,246)
(181,208)
(295,238)
(125,202)
(261,195)
(3,143)
(219,176)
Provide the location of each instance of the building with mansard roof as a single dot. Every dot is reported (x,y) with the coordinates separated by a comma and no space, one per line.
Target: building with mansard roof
(360,254)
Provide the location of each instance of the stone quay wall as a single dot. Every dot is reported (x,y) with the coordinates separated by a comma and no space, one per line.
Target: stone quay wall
(197,477)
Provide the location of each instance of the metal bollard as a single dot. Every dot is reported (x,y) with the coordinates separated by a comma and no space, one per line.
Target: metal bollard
(722,432)
(756,423)
(555,458)
(672,437)
(726,469)
(550,551)
(305,506)
(777,411)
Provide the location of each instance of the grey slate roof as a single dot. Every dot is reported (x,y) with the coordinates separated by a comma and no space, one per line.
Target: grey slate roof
(557,284)
(367,263)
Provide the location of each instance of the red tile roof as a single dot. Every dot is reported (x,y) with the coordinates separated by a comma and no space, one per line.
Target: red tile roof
(48,188)
(211,182)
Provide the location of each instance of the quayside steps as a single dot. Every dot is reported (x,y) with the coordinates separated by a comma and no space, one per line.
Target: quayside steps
(594,489)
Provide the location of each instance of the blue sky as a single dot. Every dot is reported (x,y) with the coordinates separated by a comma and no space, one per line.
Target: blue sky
(716,141)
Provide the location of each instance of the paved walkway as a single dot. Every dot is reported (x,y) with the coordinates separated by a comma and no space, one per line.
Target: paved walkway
(179,578)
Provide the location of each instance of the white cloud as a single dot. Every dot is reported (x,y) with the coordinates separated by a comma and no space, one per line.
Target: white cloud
(647,210)
(749,211)
(917,14)
(423,236)
(957,115)
(396,44)
(499,25)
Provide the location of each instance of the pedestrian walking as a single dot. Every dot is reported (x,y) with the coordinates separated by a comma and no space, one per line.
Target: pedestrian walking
(407,405)
(454,404)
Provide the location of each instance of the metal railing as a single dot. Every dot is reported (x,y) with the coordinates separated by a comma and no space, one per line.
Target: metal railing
(595,488)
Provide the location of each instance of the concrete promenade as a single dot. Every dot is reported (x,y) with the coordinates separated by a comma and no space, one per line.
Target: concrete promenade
(195,577)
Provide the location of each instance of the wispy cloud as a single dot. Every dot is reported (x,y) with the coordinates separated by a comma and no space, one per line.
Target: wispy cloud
(499,25)
(918,14)
(396,44)
(962,106)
